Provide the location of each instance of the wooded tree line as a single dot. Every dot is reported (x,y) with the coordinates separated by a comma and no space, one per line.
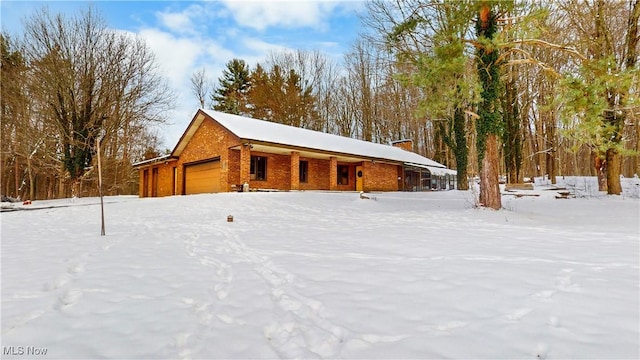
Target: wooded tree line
(523,89)
(531,88)
(68,84)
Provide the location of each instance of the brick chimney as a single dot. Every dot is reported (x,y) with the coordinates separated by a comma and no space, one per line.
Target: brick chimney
(406,144)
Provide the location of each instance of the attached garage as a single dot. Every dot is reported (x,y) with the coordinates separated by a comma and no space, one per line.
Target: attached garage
(202,177)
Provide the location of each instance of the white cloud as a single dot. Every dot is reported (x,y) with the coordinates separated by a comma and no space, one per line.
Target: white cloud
(177,58)
(289,14)
(262,48)
(175,21)
(175,55)
(184,21)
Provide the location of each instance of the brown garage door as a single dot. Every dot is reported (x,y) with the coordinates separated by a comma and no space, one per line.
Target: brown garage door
(202,178)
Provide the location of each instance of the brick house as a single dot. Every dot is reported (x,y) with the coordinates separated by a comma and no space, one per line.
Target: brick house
(221,152)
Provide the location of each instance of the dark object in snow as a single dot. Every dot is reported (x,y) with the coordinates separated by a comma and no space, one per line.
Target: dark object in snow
(518,195)
(519,186)
(564,195)
(363,196)
(9,199)
(230,218)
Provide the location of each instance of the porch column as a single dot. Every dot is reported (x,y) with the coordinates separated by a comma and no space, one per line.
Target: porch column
(245,163)
(295,170)
(333,173)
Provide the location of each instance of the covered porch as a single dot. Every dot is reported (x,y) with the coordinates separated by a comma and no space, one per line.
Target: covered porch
(419,177)
(279,167)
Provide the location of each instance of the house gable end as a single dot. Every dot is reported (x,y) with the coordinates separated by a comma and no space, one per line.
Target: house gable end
(193,127)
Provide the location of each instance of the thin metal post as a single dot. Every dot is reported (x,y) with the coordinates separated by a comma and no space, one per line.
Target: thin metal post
(102,232)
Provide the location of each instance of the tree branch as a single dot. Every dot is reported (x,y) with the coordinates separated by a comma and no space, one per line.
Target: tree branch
(569,50)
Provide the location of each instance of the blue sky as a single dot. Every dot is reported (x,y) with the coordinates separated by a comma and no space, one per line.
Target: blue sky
(189,35)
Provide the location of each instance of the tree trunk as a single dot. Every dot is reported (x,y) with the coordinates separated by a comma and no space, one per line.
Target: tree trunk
(489,187)
(551,166)
(601,172)
(551,163)
(16,177)
(32,183)
(62,193)
(614,187)
(461,149)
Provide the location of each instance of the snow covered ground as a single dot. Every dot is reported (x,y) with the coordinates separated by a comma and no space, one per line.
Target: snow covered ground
(324,275)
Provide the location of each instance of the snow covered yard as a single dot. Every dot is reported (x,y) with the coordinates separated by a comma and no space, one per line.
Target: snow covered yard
(323,275)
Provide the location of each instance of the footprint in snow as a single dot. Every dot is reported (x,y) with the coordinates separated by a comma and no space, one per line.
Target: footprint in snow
(23,319)
(553,321)
(451,326)
(77,268)
(544,295)
(374,339)
(57,283)
(518,314)
(565,283)
(229,320)
(68,299)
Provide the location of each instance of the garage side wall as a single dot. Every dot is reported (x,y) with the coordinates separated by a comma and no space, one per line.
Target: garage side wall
(162,185)
(234,169)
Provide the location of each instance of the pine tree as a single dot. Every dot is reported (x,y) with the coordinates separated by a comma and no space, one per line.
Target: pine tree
(279,97)
(231,94)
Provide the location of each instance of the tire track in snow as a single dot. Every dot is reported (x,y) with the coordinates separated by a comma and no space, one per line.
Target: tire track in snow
(302,331)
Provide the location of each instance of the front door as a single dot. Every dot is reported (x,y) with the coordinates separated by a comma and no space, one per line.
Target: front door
(154,182)
(145,183)
(359,179)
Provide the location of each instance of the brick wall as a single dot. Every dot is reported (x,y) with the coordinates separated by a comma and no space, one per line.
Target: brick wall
(164,182)
(380,176)
(404,144)
(233,165)
(318,175)
(295,170)
(209,141)
(278,172)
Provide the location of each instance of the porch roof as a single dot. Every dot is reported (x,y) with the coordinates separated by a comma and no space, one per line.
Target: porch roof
(434,170)
(278,134)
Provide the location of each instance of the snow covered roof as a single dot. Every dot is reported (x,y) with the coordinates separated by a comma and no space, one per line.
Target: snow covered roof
(440,171)
(274,133)
(162,158)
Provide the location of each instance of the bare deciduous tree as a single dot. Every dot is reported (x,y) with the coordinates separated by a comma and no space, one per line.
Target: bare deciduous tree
(83,81)
(201,86)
